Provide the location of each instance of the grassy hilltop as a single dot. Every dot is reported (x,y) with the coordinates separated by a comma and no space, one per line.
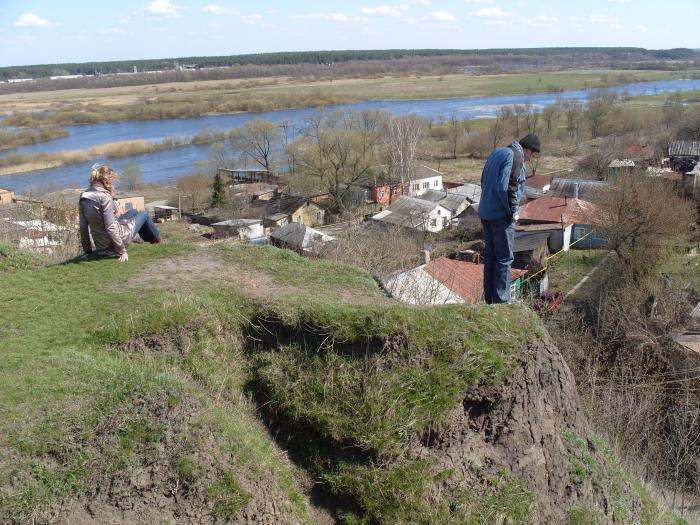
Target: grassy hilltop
(177,387)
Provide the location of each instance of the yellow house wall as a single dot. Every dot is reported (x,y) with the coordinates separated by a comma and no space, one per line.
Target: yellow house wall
(307,215)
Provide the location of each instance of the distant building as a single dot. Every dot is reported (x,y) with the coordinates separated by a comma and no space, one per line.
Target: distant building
(619,167)
(299,238)
(423,179)
(244,229)
(129,201)
(415,214)
(683,155)
(444,281)
(247,175)
(7,196)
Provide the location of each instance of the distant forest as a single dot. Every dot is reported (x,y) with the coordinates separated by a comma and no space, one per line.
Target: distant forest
(346,63)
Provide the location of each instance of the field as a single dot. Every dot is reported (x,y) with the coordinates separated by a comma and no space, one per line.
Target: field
(207,97)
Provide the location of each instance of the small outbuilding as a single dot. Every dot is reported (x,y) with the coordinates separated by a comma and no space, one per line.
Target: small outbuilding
(244,229)
(7,196)
(298,237)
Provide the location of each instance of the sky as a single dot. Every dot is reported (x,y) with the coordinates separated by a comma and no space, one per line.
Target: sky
(56,31)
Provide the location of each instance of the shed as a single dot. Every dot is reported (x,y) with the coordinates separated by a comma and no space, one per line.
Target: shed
(683,155)
(620,167)
(298,237)
(165,213)
(7,196)
(530,249)
(245,229)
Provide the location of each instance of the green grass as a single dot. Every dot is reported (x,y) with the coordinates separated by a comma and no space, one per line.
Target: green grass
(571,266)
(100,379)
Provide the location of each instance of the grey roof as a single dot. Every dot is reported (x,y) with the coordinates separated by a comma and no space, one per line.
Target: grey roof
(621,163)
(526,241)
(299,236)
(471,190)
(407,211)
(684,148)
(451,201)
(562,187)
(238,222)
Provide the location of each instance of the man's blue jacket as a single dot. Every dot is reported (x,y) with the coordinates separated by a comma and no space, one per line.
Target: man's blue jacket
(502,190)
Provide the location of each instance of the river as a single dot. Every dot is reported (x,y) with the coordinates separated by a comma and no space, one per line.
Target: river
(164,166)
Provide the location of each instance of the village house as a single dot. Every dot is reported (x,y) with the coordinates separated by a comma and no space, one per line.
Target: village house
(444,281)
(567,220)
(456,203)
(619,167)
(299,238)
(415,214)
(423,179)
(6,196)
(129,201)
(683,155)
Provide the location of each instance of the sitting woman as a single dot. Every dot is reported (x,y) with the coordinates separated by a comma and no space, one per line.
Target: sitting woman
(98,218)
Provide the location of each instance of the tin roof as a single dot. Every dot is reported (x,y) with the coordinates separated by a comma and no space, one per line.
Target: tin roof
(684,148)
(540,182)
(451,201)
(557,209)
(526,241)
(299,236)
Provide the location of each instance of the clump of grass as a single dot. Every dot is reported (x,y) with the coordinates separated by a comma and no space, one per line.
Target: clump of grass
(376,376)
(13,258)
(228,496)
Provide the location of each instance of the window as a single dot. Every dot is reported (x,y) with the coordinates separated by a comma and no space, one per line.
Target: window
(381,194)
(426,185)
(394,191)
(416,187)
(433,222)
(439,213)
(318,215)
(435,183)
(444,221)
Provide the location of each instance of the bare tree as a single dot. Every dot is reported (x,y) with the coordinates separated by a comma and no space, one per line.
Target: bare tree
(130,177)
(401,142)
(258,140)
(550,116)
(574,114)
(196,187)
(637,226)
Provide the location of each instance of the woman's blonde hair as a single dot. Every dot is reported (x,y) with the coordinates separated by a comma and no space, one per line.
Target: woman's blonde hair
(103,175)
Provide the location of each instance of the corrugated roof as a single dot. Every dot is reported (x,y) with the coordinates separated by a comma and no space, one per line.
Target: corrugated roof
(684,148)
(451,201)
(587,189)
(554,209)
(464,279)
(407,211)
(526,241)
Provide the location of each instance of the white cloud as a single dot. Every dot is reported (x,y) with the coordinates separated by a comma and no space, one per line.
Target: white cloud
(330,17)
(492,12)
(160,7)
(620,1)
(479,1)
(214,9)
(541,20)
(251,19)
(602,19)
(641,29)
(443,16)
(109,30)
(421,2)
(381,10)
(30,20)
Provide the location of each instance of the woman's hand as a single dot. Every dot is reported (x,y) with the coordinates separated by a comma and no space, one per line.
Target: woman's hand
(124,257)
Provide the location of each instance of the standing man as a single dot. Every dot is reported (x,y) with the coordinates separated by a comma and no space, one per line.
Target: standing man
(502,186)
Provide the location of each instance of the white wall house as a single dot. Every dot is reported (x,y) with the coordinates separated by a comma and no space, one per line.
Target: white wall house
(416,214)
(424,179)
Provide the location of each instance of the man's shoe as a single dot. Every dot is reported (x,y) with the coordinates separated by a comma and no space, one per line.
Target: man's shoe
(159,240)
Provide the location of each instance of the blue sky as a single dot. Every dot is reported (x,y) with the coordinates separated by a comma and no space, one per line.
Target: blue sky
(51,31)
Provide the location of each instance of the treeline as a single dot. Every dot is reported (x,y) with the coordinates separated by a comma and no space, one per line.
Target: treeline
(332,57)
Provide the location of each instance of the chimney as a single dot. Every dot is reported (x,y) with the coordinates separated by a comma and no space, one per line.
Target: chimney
(426,256)
(576,190)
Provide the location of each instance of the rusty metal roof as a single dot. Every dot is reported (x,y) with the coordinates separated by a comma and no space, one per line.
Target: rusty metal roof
(558,209)
(464,279)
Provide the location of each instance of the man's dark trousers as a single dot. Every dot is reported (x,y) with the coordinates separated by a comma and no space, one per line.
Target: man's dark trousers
(498,256)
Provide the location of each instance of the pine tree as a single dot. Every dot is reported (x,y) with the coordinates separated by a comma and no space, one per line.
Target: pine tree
(218,193)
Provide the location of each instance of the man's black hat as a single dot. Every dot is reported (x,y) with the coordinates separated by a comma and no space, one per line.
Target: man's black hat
(531,141)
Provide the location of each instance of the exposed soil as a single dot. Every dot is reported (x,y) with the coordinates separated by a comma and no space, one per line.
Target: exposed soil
(518,428)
